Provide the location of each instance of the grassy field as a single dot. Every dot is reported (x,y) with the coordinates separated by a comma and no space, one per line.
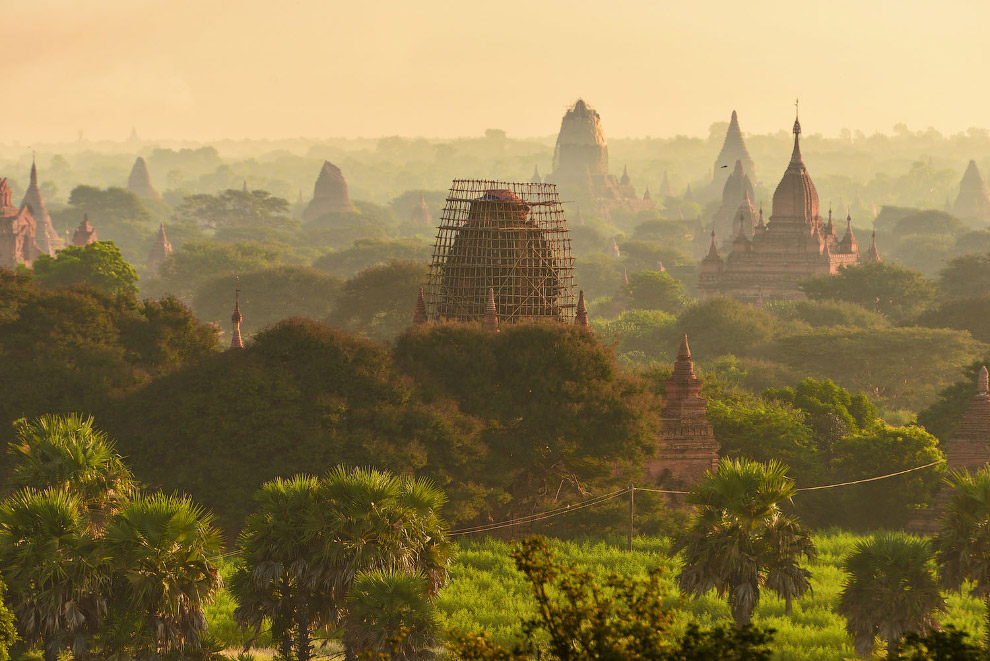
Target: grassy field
(487,593)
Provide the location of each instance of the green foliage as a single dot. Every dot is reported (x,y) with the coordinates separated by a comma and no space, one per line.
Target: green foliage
(8,626)
(832,411)
(117,214)
(378,301)
(164,551)
(827,313)
(310,540)
(371,252)
(947,645)
(234,211)
(965,276)
(655,290)
(740,541)
(968,314)
(194,263)
(67,453)
(645,333)
(268,296)
(724,326)
(579,616)
(560,417)
(98,264)
(892,589)
(390,616)
(339,399)
(892,290)
(887,503)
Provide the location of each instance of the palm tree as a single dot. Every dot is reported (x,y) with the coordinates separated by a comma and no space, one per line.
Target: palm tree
(962,544)
(277,548)
(892,590)
(740,542)
(309,539)
(390,616)
(56,575)
(165,548)
(66,452)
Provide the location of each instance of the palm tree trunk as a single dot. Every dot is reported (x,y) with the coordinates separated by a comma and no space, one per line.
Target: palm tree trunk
(892,646)
(788,605)
(304,650)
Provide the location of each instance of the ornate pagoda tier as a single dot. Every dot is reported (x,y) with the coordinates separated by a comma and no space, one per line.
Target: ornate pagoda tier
(17,231)
(769,261)
(688,447)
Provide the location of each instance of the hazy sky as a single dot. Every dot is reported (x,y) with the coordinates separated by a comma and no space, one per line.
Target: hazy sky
(204,69)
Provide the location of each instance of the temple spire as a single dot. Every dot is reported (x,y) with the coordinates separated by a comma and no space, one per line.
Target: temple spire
(684,353)
(536,178)
(419,312)
(235,339)
(491,313)
(796,154)
(873,254)
(625,175)
(712,249)
(982,385)
(581,314)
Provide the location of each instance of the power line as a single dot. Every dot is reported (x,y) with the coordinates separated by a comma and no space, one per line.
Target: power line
(872,479)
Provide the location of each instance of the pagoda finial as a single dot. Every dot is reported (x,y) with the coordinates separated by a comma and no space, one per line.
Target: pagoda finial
(796,154)
(419,312)
(581,314)
(684,353)
(491,312)
(235,339)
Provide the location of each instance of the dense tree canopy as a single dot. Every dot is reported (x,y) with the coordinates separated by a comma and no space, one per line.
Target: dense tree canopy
(888,288)
(378,301)
(99,264)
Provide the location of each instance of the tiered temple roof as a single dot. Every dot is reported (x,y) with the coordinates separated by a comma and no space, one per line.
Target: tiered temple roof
(85,233)
(17,229)
(795,244)
(139,181)
(45,236)
(738,190)
(688,447)
(973,200)
(329,194)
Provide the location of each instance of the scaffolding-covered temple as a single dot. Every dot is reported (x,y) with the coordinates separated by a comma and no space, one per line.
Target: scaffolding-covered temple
(510,238)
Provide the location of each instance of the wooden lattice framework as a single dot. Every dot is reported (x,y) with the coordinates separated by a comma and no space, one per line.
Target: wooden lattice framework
(503,236)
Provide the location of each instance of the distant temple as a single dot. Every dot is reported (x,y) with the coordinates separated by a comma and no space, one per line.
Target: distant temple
(421,214)
(17,231)
(769,260)
(688,447)
(973,200)
(737,194)
(139,181)
(160,251)
(580,161)
(45,236)
(235,337)
(502,254)
(733,149)
(969,447)
(329,194)
(85,233)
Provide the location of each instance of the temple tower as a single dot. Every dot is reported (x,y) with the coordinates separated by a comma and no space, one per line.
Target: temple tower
(688,447)
(45,236)
(329,194)
(581,315)
(733,149)
(160,251)
(738,190)
(581,149)
(17,231)
(973,200)
(85,233)
(970,444)
(421,214)
(235,337)
(419,312)
(139,181)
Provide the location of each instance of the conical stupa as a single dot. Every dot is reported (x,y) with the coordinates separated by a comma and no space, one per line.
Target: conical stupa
(733,149)
(45,236)
(973,200)
(139,182)
(329,194)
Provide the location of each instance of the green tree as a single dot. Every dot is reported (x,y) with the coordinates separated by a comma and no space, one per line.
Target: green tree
(56,574)
(351,521)
(8,625)
(963,537)
(740,541)
(371,252)
(941,416)
(67,453)
(195,262)
(881,451)
(236,210)
(891,590)
(655,290)
(947,645)
(378,301)
(724,326)
(268,296)
(164,550)
(833,412)
(964,276)
(888,288)
(390,616)
(99,264)
(971,313)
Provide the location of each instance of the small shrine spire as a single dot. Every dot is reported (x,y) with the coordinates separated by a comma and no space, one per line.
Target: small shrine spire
(491,313)
(235,338)
(873,254)
(581,314)
(796,154)
(419,312)
(982,384)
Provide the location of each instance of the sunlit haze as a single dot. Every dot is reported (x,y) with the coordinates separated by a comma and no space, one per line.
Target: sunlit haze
(201,70)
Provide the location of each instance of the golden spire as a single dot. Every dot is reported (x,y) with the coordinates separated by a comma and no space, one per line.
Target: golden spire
(235,339)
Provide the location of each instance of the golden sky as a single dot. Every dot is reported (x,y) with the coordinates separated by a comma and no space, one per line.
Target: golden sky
(204,69)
